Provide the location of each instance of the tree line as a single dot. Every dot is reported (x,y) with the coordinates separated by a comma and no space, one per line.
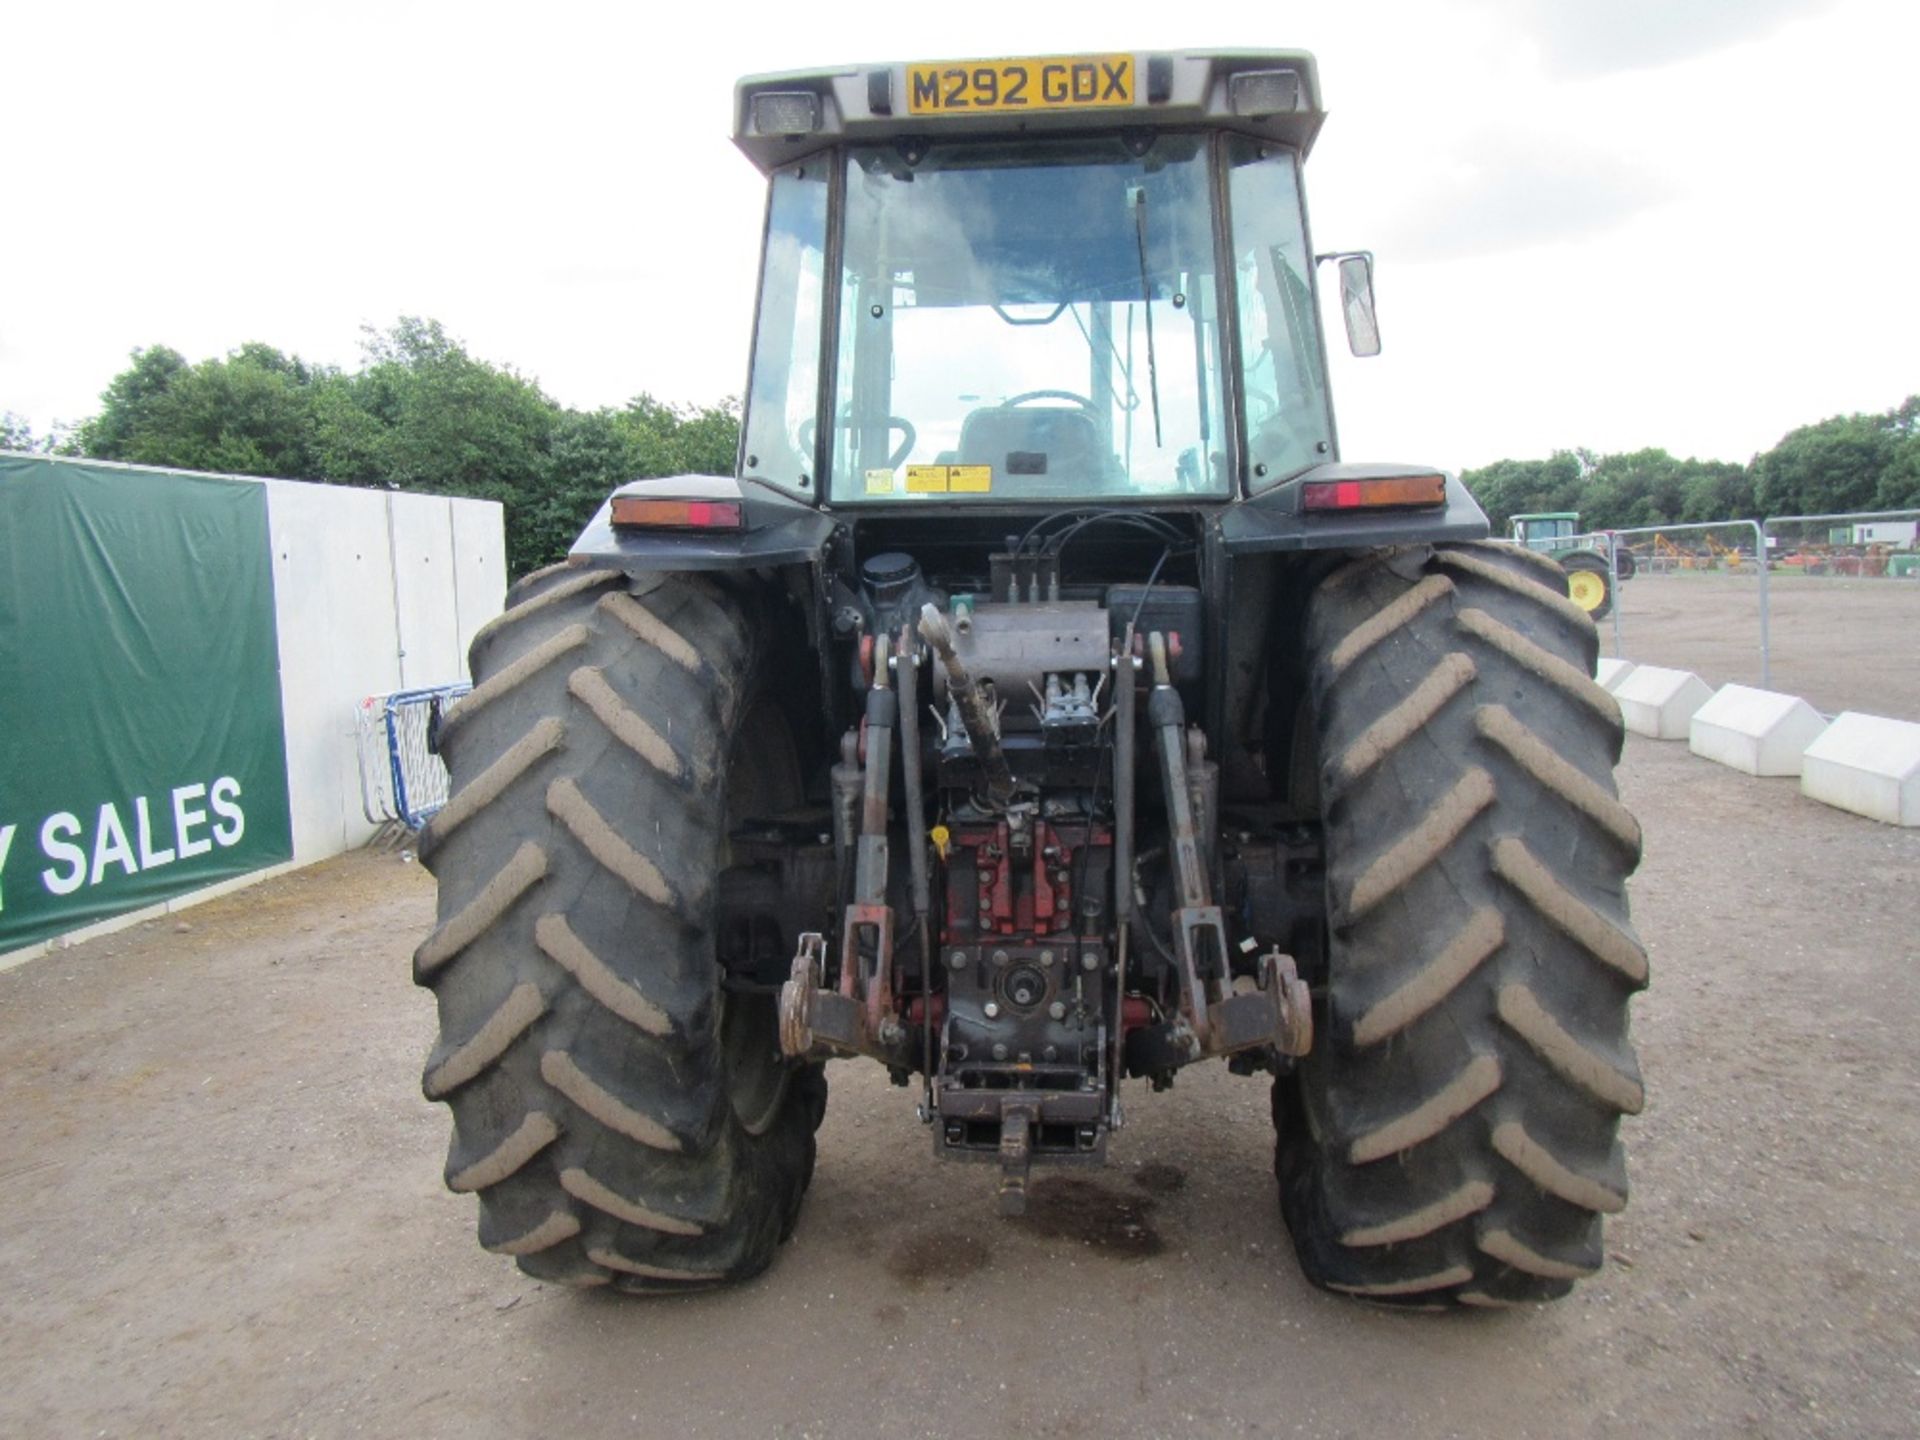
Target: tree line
(1845,463)
(420,413)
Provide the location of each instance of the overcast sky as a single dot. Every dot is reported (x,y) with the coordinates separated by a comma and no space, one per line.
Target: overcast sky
(1684,223)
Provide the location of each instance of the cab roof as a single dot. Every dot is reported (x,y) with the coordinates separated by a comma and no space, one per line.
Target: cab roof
(1273,93)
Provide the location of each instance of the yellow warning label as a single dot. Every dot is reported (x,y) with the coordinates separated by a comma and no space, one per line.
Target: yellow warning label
(941,479)
(880,482)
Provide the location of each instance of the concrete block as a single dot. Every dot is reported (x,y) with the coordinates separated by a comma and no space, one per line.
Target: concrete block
(1610,672)
(1867,764)
(1759,731)
(1658,702)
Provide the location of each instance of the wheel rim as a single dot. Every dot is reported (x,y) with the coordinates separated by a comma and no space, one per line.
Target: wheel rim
(1586,589)
(757,1075)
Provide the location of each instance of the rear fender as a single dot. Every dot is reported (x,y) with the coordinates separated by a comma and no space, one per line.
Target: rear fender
(1274,520)
(778,530)
(782,540)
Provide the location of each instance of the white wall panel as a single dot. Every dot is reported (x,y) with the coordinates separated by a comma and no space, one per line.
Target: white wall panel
(333,601)
(480,567)
(425,589)
(374,591)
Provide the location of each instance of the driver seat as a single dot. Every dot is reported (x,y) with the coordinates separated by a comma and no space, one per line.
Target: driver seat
(1058,445)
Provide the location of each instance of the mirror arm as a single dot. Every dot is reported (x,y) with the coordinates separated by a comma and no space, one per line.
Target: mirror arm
(1357,306)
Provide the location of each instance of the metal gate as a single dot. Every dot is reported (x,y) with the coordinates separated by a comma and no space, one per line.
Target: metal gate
(401,775)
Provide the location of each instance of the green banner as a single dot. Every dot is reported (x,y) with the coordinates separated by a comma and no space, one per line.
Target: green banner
(141,748)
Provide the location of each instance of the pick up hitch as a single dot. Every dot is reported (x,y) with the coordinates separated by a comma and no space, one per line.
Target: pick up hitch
(1217,1017)
(858,1017)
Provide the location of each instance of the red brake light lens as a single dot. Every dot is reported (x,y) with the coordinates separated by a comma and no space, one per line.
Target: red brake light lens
(644,512)
(1394,490)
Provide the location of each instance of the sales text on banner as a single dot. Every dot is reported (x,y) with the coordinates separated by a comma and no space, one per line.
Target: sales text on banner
(142,753)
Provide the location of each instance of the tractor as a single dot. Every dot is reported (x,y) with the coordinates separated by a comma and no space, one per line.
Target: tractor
(1590,579)
(1042,707)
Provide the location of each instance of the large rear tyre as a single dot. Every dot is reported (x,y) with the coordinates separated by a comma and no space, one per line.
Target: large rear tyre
(1588,584)
(623,1118)
(1452,1137)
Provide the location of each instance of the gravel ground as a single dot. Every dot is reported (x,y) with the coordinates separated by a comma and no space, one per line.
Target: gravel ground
(1839,644)
(221,1209)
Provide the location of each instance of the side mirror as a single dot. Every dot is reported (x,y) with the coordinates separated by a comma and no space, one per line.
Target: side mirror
(1356,303)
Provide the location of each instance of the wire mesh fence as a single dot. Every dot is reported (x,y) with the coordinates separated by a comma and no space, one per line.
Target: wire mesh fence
(1846,610)
(401,774)
(1694,596)
(1862,545)
(1826,607)
(376,766)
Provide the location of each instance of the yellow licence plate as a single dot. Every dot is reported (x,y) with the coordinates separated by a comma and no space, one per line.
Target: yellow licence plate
(1065,82)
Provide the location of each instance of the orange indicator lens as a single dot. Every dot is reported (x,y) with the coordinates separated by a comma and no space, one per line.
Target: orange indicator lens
(1368,494)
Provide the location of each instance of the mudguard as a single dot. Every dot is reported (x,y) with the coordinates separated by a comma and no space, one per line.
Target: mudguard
(1273,520)
(778,530)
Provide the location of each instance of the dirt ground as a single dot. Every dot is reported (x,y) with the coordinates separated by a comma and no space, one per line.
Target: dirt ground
(1839,644)
(221,1210)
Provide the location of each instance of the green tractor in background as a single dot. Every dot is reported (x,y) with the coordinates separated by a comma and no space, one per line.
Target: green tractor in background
(1590,579)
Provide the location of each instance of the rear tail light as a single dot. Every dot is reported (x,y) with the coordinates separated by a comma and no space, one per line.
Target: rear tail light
(647,513)
(1394,490)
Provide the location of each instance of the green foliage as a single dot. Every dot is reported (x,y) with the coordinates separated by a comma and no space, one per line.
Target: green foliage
(419,414)
(1518,487)
(1850,462)
(1899,487)
(454,425)
(17,434)
(1717,490)
(130,402)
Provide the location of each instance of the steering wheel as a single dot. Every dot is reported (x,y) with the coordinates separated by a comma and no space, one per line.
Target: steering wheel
(1081,400)
(894,422)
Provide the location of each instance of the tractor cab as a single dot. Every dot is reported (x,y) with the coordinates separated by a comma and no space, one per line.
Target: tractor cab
(1039,280)
(1548,530)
